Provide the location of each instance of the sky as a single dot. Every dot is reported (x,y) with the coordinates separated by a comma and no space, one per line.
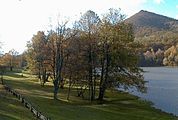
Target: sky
(21,19)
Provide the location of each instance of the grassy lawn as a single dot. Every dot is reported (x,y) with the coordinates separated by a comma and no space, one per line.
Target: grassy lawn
(118,105)
(11,108)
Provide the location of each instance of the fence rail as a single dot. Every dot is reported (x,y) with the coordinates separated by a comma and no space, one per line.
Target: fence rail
(29,106)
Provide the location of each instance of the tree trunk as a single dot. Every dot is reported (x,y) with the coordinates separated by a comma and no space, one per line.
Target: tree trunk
(70,83)
(54,64)
(11,68)
(56,84)
(94,85)
(90,74)
(57,81)
(104,74)
(101,93)
(100,96)
(39,73)
(56,87)
(2,80)
(59,65)
(44,77)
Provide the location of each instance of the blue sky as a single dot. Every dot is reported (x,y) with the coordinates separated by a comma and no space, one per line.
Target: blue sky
(20,19)
(165,7)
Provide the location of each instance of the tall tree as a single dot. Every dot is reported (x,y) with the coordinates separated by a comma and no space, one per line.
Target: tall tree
(64,34)
(52,37)
(118,59)
(61,30)
(88,25)
(38,56)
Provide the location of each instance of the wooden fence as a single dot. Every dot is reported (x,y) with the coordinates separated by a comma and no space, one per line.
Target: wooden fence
(35,112)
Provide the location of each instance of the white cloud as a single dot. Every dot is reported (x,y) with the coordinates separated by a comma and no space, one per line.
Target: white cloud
(177,17)
(158,1)
(176,6)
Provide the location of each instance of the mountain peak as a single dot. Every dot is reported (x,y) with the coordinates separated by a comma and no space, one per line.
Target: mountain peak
(143,11)
(145,19)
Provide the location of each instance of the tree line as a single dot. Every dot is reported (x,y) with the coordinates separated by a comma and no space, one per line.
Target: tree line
(94,55)
(12,59)
(157,46)
(160,57)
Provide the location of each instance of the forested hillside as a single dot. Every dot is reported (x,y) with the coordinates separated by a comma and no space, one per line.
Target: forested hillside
(158,37)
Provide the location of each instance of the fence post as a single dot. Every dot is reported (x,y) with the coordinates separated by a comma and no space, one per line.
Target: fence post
(26,103)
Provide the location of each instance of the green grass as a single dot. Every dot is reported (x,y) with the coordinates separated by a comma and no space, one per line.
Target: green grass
(11,108)
(117,105)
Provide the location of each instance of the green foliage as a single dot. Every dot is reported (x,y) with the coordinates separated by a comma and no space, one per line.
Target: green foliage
(118,56)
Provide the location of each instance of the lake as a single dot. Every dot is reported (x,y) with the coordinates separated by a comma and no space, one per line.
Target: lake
(162,88)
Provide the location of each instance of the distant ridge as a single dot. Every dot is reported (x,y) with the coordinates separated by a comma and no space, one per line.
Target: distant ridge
(152,21)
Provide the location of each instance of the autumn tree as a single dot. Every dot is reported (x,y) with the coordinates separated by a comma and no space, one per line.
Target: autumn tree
(60,30)
(95,55)
(75,66)
(118,59)
(171,56)
(52,37)
(64,34)
(38,57)
(10,59)
(88,26)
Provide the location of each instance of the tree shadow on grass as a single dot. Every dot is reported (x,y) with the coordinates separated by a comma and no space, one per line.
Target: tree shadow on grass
(15,75)
(7,117)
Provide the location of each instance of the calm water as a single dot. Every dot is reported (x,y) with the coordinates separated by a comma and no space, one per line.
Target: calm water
(162,88)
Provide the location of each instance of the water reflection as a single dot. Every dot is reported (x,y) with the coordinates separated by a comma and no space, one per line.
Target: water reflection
(162,88)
